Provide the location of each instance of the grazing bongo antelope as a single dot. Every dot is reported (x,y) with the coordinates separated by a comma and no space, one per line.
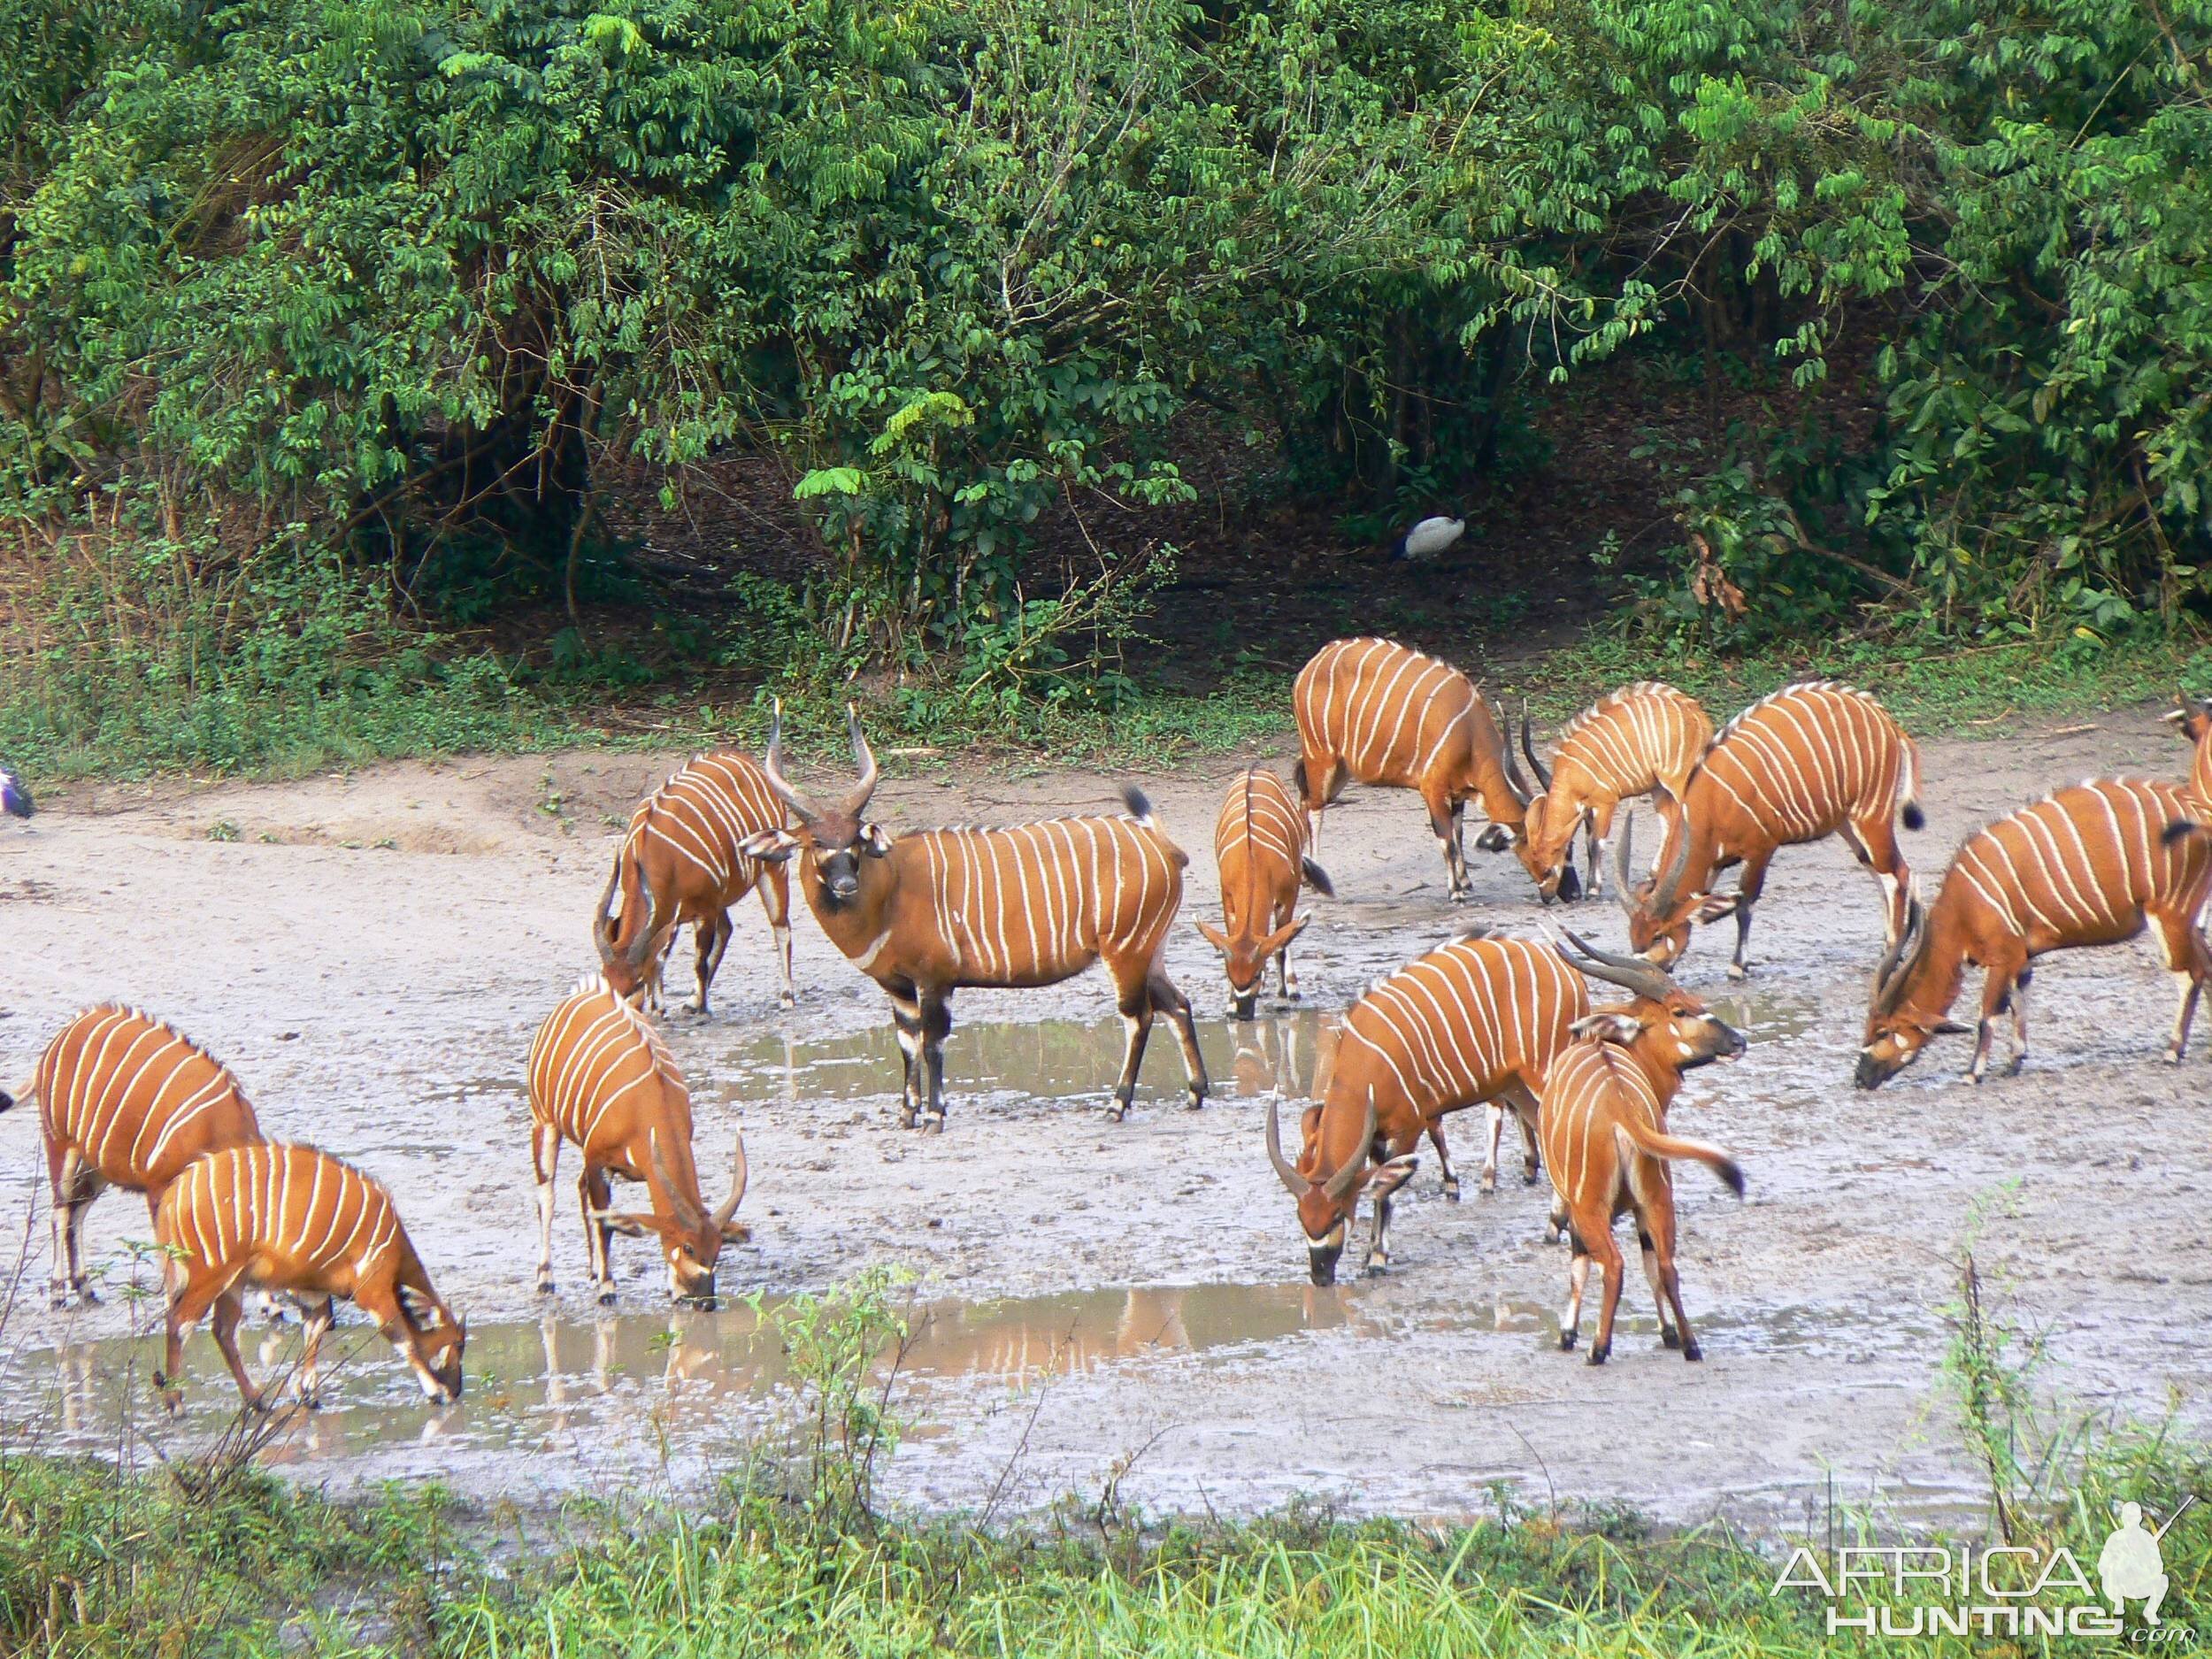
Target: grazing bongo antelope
(679,863)
(2091,864)
(1260,845)
(600,1076)
(1644,739)
(1811,761)
(1373,711)
(937,909)
(126,1102)
(1604,1121)
(1474,1021)
(297,1222)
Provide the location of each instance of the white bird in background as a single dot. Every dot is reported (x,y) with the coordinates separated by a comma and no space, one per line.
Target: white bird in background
(1428,538)
(15,800)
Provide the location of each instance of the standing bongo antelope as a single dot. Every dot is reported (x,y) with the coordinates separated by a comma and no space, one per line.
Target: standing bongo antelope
(1474,1021)
(1810,761)
(680,862)
(937,909)
(1605,1137)
(600,1076)
(294,1221)
(2091,864)
(1260,845)
(1373,711)
(126,1102)
(1644,739)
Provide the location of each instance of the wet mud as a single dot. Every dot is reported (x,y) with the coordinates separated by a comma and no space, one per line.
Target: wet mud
(1088,1293)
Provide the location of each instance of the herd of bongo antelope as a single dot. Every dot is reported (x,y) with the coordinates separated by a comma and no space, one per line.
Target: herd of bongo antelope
(124,1101)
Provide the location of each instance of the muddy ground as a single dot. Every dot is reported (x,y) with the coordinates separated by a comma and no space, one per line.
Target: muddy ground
(371,952)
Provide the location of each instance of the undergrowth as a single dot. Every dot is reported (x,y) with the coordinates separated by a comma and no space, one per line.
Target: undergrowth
(128,657)
(1935,689)
(257,719)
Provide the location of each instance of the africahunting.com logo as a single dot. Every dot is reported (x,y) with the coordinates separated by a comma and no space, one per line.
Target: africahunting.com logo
(2001,1590)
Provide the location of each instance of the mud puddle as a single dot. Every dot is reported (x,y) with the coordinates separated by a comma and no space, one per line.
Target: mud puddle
(678,1396)
(380,1004)
(1050,1060)
(1060,1060)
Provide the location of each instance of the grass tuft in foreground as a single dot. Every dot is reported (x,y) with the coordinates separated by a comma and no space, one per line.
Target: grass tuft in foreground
(91,1565)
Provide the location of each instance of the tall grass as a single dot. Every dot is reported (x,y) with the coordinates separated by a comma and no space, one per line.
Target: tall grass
(130,646)
(125,653)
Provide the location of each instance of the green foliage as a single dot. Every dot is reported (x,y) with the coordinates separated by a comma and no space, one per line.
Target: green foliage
(94,1565)
(97,1563)
(390,283)
(842,1351)
(149,653)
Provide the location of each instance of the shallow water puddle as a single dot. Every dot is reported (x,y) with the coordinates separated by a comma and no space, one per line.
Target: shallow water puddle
(685,1389)
(1061,1059)
(1050,1059)
(531,1383)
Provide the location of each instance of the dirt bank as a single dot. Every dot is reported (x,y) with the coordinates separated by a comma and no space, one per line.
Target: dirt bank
(371,954)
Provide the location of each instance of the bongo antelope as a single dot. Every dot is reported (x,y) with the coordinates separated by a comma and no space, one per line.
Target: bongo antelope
(1476,1021)
(600,1076)
(679,863)
(1373,711)
(928,913)
(297,1222)
(1605,1135)
(1810,761)
(1260,846)
(2194,717)
(126,1102)
(1644,739)
(2091,864)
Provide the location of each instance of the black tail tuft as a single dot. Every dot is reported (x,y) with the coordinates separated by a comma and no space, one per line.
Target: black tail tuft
(1134,799)
(1318,879)
(1914,819)
(7,1100)
(1727,1170)
(2180,830)
(1298,778)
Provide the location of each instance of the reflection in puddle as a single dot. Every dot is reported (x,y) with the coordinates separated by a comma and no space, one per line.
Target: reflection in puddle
(683,1389)
(1050,1059)
(674,1387)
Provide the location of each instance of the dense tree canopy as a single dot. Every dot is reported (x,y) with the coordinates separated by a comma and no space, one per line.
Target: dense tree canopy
(403,269)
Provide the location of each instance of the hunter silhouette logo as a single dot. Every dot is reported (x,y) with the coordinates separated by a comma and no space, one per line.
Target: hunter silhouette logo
(2132,1566)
